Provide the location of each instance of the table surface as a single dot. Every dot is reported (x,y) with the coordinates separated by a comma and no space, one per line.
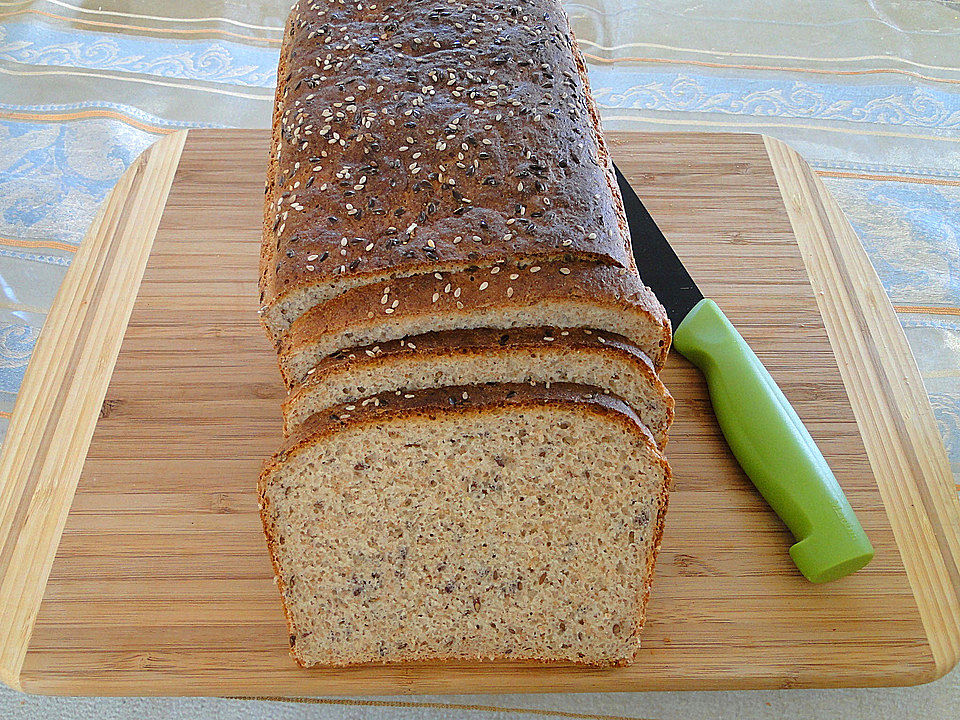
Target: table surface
(870,96)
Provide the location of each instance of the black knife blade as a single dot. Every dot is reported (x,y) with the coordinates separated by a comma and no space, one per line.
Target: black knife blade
(659,266)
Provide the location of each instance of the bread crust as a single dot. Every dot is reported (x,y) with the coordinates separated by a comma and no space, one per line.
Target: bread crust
(505,287)
(463,401)
(268,243)
(507,114)
(468,344)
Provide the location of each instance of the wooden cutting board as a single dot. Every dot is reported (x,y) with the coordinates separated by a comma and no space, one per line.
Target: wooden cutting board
(132,560)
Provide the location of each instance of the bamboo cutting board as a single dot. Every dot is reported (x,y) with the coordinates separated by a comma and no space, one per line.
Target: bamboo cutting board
(132,560)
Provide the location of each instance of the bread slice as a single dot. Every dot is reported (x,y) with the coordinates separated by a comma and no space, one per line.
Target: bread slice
(476,357)
(508,295)
(408,138)
(493,522)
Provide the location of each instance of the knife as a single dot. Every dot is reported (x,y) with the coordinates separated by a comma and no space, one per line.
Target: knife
(764,432)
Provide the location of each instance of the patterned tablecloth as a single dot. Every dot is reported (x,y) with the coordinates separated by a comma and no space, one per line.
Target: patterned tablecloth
(868,91)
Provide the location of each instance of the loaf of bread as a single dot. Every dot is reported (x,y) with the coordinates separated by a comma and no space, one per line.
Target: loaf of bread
(475,421)
(478,357)
(417,136)
(555,294)
(492,522)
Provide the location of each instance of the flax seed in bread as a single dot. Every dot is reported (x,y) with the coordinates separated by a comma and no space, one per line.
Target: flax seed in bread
(494,522)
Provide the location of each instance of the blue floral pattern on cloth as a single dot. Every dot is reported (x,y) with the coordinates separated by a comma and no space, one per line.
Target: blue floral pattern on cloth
(53,176)
(923,265)
(224,62)
(946,407)
(680,91)
(16,345)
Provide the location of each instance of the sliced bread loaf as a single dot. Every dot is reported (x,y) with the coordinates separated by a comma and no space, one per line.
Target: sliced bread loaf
(475,357)
(492,522)
(508,295)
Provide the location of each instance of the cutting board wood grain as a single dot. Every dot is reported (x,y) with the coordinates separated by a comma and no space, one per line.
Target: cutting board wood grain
(132,560)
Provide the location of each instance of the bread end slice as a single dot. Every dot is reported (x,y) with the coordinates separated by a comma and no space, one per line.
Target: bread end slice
(471,523)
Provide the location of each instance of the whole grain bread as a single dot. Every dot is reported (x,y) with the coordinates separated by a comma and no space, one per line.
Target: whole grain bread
(508,295)
(422,135)
(475,357)
(493,522)
(445,249)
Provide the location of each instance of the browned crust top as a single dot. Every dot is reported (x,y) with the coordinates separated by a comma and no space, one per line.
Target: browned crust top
(433,134)
(501,286)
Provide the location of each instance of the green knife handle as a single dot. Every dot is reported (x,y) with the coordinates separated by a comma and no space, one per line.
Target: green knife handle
(774,448)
